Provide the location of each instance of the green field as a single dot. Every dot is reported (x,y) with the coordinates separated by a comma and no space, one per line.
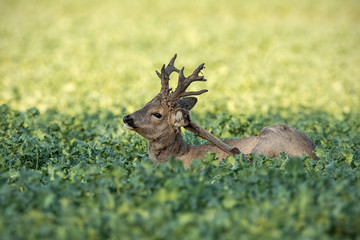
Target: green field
(70,70)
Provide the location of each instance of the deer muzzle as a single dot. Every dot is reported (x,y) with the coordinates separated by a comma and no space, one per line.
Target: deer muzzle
(129,122)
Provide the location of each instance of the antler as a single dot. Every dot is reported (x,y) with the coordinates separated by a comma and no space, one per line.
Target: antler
(165,76)
(183,83)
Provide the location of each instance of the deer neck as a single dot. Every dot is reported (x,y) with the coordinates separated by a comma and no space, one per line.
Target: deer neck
(165,147)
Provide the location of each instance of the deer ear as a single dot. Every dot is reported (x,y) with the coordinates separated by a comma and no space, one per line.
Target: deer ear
(187,102)
(181,118)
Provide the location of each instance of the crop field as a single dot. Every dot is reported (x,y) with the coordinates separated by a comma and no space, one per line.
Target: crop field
(70,70)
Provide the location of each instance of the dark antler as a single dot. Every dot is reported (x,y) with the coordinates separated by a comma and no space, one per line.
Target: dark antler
(165,76)
(184,83)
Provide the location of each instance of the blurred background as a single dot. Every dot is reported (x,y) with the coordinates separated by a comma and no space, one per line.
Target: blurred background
(89,55)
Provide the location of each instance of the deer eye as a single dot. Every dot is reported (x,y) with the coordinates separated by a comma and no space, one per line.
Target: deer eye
(157,115)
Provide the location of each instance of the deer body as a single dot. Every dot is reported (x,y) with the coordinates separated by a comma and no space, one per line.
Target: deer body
(161,119)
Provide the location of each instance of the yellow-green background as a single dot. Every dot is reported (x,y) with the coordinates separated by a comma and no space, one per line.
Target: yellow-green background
(77,56)
(67,174)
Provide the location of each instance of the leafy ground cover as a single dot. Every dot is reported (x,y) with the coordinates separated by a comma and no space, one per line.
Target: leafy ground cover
(77,177)
(70,70)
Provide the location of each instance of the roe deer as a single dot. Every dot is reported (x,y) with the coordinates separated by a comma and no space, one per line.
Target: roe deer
(161,119)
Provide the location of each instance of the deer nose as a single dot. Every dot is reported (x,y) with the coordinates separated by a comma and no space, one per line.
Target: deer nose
(129,121)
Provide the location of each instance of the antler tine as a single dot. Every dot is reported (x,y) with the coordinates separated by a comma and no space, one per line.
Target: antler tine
(185,94)
(170,67)
(198,70)
(165,75)
(184,83)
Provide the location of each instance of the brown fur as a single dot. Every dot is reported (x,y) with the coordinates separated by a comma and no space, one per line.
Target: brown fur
(161,119)
(165,139)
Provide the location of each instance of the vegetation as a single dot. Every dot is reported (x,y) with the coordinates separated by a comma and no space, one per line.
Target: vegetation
(70,70)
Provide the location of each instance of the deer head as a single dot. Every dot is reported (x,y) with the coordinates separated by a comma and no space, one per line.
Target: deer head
(169,110)
(160,120)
